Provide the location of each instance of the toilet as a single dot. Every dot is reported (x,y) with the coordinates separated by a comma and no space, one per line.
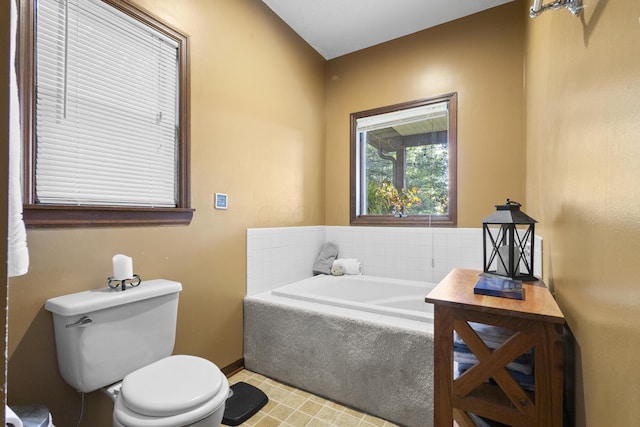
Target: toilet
(121,342)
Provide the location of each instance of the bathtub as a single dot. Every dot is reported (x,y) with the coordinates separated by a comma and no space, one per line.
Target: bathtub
(391,297)
(366,342)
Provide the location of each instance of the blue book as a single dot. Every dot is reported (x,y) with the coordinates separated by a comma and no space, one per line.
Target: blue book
(499,287)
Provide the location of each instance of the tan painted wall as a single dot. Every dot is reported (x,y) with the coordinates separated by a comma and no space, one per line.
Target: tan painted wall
(583,163)
(257,134)
(480,57)
(258,93)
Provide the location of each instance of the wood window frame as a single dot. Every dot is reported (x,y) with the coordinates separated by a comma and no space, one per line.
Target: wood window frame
(62,216)
(449,220)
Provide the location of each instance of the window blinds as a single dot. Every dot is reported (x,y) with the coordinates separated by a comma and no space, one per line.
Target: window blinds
(402,117)
(106,108)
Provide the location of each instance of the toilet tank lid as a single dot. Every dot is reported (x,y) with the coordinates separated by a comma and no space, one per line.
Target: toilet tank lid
(100,299)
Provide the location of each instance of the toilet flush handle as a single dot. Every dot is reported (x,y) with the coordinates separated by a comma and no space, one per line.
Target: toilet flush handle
(84,321)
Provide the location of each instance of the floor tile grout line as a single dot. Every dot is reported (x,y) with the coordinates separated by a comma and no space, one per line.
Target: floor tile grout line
(336,409)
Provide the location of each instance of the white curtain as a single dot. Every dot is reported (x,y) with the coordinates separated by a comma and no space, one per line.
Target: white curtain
(18,253)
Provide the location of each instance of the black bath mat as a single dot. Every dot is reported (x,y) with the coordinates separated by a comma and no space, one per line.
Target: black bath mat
(243,403)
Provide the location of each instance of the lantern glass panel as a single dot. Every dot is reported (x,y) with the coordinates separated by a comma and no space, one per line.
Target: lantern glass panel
(508,250)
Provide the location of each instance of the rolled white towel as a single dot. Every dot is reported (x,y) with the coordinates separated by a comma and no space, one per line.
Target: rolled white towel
(349,265)
(11,418)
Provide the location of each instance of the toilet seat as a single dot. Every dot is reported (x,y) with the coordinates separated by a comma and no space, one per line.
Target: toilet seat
(175,391)
(171,385)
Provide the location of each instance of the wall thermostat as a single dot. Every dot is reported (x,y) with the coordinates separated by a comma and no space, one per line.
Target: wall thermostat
(221,201)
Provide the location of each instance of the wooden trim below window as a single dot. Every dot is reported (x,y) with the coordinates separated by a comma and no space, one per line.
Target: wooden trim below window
(48,216)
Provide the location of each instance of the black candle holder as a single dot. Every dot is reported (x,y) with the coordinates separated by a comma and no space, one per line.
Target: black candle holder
(122,283)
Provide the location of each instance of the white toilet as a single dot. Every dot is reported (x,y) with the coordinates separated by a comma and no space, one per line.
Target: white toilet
(122,341)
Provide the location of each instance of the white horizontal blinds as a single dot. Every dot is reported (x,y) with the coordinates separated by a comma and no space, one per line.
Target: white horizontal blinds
(106,108)
(402,117)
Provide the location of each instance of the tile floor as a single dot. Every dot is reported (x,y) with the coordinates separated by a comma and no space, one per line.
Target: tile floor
(289,407)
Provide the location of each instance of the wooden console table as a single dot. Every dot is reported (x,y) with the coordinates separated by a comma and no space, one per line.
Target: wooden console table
(537,323)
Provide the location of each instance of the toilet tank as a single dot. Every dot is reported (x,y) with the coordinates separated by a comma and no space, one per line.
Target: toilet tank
(104,334)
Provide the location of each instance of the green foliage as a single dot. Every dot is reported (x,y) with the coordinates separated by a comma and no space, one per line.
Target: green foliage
(426,171)
(376,203)
(400,200)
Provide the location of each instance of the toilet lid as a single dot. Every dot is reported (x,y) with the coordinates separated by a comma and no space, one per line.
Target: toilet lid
(171,386)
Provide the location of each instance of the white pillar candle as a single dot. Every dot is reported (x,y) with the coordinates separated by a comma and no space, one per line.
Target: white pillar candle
(122,267)
(504,253)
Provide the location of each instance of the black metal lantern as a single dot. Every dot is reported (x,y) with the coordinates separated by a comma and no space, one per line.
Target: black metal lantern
(508,236)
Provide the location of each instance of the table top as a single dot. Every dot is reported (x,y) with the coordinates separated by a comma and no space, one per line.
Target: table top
(456,290)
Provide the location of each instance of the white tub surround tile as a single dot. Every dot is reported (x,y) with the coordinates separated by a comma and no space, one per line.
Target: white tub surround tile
(278,256)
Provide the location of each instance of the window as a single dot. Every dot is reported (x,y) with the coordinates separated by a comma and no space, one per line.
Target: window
(403,164)
(105,115)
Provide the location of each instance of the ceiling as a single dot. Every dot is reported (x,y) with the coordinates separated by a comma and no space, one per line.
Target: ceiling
(337,27)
